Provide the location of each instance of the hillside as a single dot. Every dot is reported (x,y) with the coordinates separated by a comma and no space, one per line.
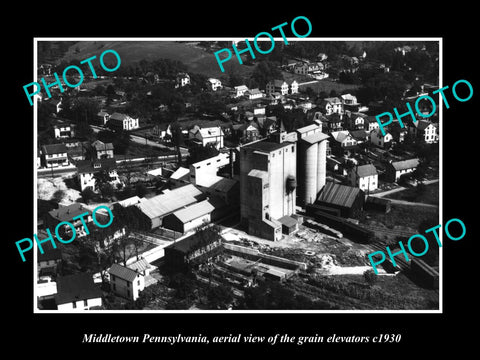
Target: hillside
(195,58)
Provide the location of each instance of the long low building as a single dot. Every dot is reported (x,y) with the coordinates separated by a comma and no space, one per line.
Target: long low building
(157,207)
(190,217)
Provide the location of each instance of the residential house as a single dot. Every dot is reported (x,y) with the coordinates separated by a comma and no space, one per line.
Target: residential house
(49,261)
(398,133)
(293,86)
(126,282)
(182,79)
(361,136)
(102,117)
(343,139)
(239,90)
(214,84)
(332,105)
(66,214)
(78,292)
(370,124)
(333,122)
(364,177)
(395,169)
(354,120)
(208,135)
(86,170)
(349,99)
(425,130)
(306,68)
(64,130)
(279,86)
(55,155)
(118,122)
(380,140)
(246,132)
(253,94)
(101,150)
(163,131)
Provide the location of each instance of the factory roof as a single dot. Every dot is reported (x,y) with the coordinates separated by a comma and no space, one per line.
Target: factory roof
(129,201)
(266,146)
(314,138)
(180,173)
(338,194)
(170,201)
(194,211)
(288,221)
(307,128)
(217,183)
(258,173)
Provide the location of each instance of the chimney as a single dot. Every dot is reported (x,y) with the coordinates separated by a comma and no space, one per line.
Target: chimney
(231,163)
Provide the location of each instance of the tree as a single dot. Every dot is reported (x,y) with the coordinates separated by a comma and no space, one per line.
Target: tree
(58,195)
(87,194)
(107,190)
(370,277)
(219,297)
(140,190)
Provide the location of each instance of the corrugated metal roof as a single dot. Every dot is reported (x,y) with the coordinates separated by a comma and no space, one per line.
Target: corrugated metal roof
(164,204)
(123,272)
(194,211)
(179,173)
(338,194)
(405,164)
(140,265)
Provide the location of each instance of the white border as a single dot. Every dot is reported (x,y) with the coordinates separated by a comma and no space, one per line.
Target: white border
(239,312)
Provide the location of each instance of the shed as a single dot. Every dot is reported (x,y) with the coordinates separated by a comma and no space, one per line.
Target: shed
(349,200)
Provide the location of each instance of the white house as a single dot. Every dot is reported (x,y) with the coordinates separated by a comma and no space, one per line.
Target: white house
(378,139)
(355,120)
(293,87)
(349,99)
(102,117)
(343,138)
(86,170)
(55,155)
(126,282)
(277,86)
(370,124)
(77,292)
(182,80)
(253,94)
(332,105)
(395,169)
(214,84)
(207,135)
(118,121)
(364,177)
(62,131)
(425,130)
(239,90)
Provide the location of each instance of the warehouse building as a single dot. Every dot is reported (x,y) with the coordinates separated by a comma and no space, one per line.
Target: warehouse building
(341,200)
(157,207)
(190,217)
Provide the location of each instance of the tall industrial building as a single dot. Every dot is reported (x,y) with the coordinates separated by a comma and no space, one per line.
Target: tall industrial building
(311,163)
(268,185)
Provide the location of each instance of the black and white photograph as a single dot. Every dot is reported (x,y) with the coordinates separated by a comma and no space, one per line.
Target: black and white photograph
(269,186)
(237,180)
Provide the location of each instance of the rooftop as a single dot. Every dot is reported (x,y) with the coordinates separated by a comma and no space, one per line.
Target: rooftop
(405,164)
(194,211)
(54,149)
(123,272)
(315,138)
(76,287)
(338,194)
(170,201)
(92,166)
(366,170)
(66,213)
(140,265)
(266,146)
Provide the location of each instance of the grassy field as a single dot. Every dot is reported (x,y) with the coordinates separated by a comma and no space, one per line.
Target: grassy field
(430,194)
(195,58)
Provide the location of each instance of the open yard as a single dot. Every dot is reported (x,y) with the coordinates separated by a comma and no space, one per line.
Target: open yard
(428,194)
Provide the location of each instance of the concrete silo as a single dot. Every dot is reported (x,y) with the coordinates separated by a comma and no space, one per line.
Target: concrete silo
(311,160)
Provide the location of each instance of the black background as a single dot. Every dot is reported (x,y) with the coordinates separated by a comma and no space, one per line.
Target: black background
(421,333)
